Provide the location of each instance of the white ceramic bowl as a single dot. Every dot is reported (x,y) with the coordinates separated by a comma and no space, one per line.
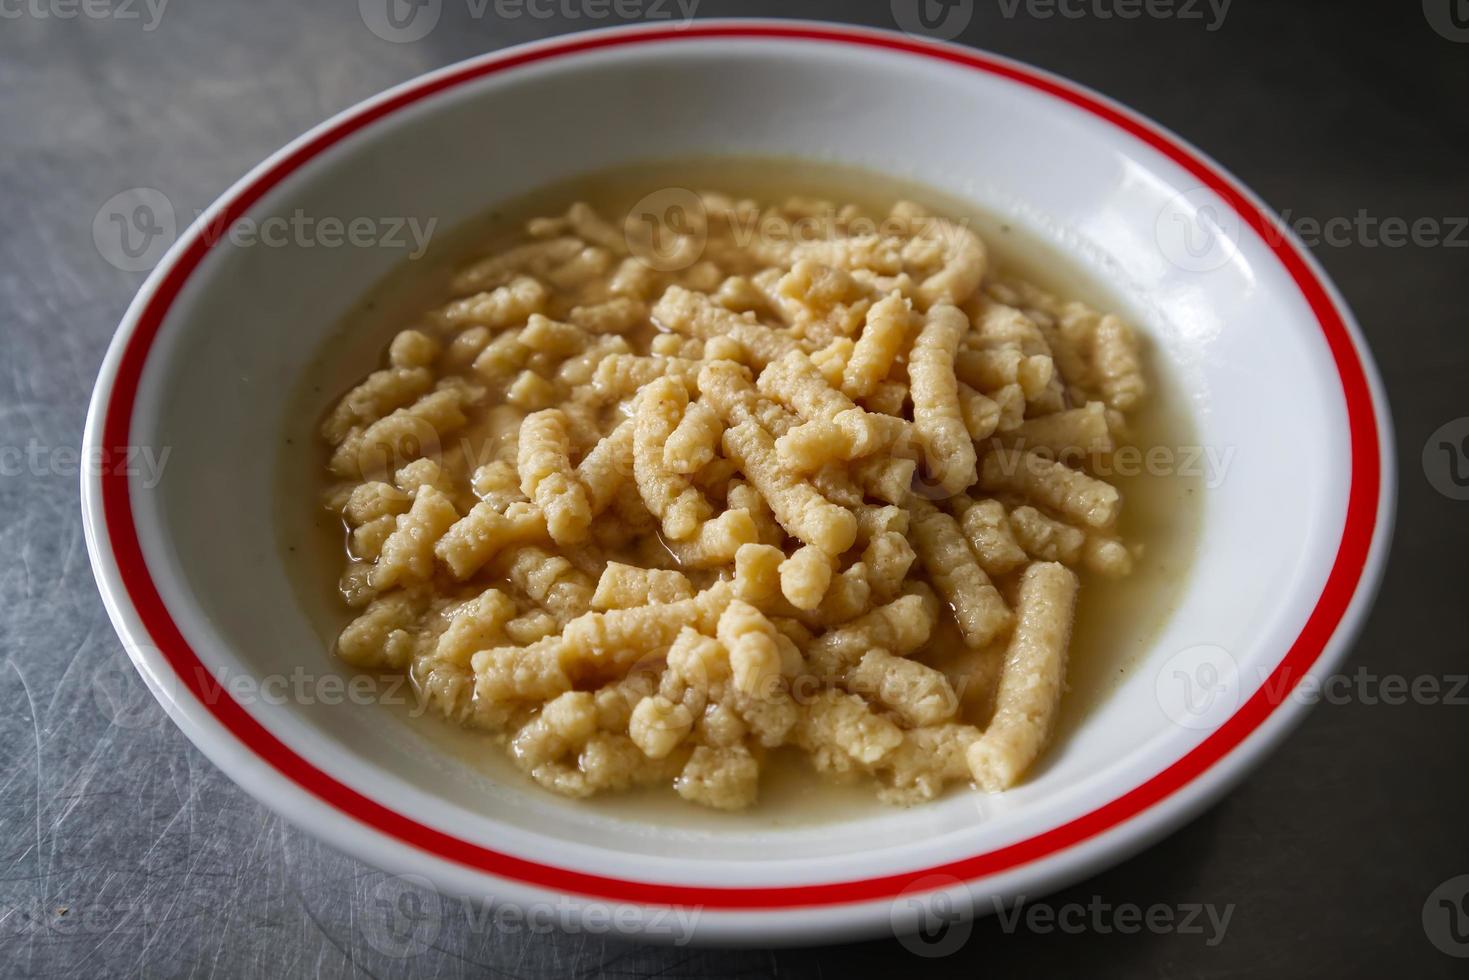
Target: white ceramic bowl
(1292,542)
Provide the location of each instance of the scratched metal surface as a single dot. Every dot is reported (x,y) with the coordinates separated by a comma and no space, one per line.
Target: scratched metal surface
(124,853)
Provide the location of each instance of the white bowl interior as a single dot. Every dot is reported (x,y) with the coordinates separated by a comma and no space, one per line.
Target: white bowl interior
(1238,340)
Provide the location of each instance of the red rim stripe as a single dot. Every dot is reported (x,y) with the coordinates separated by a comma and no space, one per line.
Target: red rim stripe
(1331,606)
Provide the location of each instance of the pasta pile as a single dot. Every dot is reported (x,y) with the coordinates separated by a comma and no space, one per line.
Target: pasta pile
(824,491)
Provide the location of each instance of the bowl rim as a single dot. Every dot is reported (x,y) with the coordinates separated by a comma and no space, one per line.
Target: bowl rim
(221,726)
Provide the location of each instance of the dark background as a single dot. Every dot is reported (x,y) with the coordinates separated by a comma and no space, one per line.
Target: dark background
(123,852)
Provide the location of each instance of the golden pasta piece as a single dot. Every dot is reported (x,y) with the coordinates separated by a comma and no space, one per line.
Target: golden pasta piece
(938,424)
(618,315)
(412,349)
(1000,326)
(848,596)
(408,553)
(423,473)
(552,337)
(405,434)
(584,222)
(987,527)
(498,484)
(1052,484)
(717,541)
(851,434)
(695,315)
(1031,681)
(1046,539)
(546,476)
(751,642)
(581,369)
(499,308)
(464,348)
(379,638)
(874,519)
(549,580)
(964,264)
(502,359)
(727,388)
(884,337)
(696,665)
(739,294)
(1011,402)
(842,733)
(988,369)
(479,535)
(368,539)
(668,495)
(981,414)
(474,625)
(834,482)
(889,480)
(978,607)
(1117,364)
(1036,376)
(673,345)
(887,557)
(380,393)
(532,258)
(757,572)
(741,496)
(621,375)
(887,398)
(797,505)
(372,500)
(900,627)
(799,384)
(606,467)
(635,279)
(914,692)
(927,760)
(563,725)
(693,442)
(586,265)
(657,726)
(722,778)
(831,360)
(535,672)
(530,627)
(1071,435)
(625,586)
(835,427)
(530,392)
(1106,556)
(623,634)
(822,301)
(805,576)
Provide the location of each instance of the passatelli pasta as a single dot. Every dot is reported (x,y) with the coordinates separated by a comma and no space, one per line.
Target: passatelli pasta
(646,520)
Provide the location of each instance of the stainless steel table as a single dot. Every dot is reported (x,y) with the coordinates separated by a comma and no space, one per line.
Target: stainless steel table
(125,853)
